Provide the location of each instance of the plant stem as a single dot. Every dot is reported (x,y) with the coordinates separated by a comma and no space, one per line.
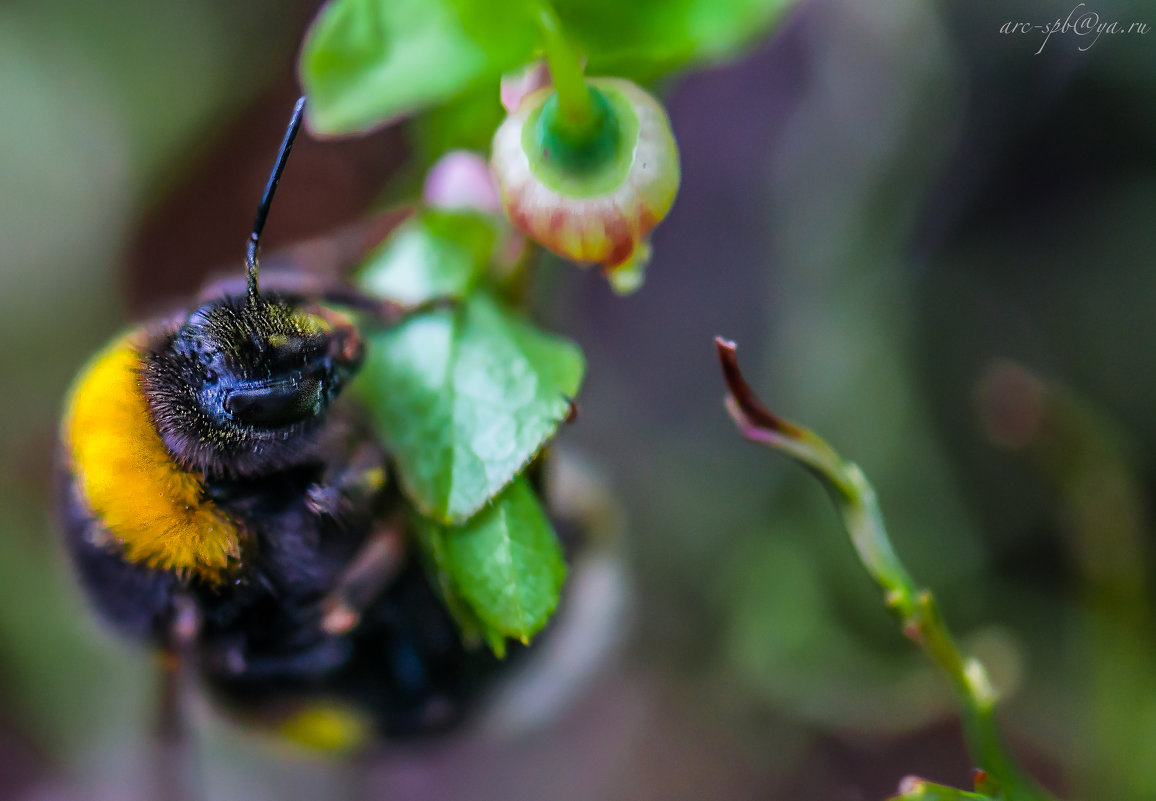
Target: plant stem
(915,607)
(915,789)
(574,103)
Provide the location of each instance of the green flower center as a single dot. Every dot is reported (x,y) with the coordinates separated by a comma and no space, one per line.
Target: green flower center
(587,161)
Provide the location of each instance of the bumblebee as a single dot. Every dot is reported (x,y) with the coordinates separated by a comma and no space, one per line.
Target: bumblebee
(225,504)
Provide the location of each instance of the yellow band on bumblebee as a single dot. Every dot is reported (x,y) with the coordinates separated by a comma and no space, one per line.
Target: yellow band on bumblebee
(327,727)
(129,482)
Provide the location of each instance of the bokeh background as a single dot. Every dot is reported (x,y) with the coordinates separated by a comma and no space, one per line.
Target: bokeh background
(933,245)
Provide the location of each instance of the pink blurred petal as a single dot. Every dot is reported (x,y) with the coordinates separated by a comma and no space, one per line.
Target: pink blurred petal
(516,85)
(461,180)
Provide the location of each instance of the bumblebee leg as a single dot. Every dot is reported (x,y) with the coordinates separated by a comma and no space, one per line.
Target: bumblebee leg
(350,486)
(367,575)
(174,774)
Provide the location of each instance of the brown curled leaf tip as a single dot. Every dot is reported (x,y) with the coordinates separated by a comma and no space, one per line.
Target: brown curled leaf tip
(571,412)
(744,397)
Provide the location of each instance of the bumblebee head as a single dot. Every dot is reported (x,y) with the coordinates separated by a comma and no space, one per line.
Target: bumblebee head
(265,366)
(239,386)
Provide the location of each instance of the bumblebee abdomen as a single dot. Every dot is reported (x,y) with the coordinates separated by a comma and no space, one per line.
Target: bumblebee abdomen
(405,668)
(150,510)
(135,598)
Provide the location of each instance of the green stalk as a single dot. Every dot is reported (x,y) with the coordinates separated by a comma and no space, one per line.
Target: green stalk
(575,106)
(914,606)
(913,789)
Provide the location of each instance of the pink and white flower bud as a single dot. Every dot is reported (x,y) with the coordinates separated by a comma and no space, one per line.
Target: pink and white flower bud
(591,213)
(461,180)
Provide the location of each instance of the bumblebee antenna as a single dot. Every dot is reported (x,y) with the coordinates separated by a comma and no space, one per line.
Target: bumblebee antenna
(267,199)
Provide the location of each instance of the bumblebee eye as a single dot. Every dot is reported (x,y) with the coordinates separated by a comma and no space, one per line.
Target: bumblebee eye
(210,376)
(276,404)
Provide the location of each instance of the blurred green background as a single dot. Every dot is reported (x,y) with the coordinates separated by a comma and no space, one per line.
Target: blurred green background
(879,202)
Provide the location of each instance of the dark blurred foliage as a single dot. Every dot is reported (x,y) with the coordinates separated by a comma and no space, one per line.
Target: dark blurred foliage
(878,203)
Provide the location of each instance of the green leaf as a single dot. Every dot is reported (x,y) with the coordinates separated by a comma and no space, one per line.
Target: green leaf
(504,565)
(365,62)
(434,254)
(646,38)
(466,123)
(431,538)
(464,398)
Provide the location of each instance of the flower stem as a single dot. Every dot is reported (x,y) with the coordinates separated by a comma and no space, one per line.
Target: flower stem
(914,606)
(574,102)
(913,789)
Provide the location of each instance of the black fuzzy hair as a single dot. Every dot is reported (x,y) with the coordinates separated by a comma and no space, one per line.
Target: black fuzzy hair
(189,369)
